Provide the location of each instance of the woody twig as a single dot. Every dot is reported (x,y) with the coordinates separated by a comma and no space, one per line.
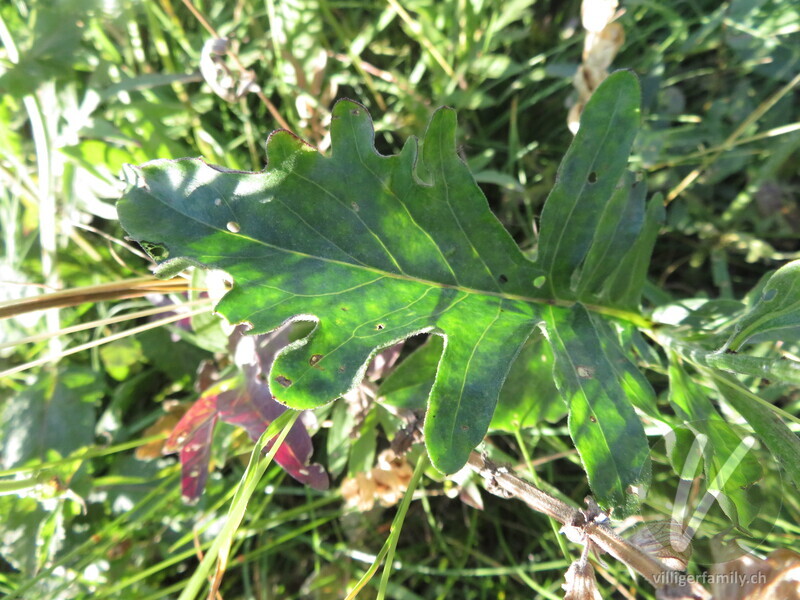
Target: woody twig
(590,527)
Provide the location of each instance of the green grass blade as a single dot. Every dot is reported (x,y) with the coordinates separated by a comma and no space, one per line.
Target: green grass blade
(247,487)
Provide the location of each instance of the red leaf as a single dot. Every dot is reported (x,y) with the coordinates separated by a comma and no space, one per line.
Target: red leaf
(192,436)
(242,400)
(195,456)
(198,416)
(253,408)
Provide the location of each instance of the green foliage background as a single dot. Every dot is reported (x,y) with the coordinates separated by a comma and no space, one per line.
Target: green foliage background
(87,87)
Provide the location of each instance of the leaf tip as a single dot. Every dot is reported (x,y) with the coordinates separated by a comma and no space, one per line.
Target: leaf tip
(439,142)
(282,144)
(351,128)
(346,107)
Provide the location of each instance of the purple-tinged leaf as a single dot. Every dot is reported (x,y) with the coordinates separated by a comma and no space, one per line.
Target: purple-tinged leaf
(192,436)
(246,403)
(195,456)
(253,408)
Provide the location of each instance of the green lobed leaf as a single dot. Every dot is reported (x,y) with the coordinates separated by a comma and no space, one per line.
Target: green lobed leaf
(372,252)
(591,213)
(370,248)
(624,286)
(600,390)
(777,311)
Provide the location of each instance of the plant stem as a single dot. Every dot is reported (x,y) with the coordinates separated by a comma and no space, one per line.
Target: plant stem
(585,526)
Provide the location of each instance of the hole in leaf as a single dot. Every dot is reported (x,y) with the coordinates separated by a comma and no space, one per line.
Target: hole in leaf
(380,326)
(769,295)
(233,227)
(593,419)
(355,206)
(157,251)
(592,177)
(315,358)
(465,428)
(502,279)
(284,381)
(539,281)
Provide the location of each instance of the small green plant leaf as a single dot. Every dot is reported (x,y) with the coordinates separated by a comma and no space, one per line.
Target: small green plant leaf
(779,369)
(409,384)
(624,286)
(603,424)
(730,466)
(618,228)
(527,398)
(777,311)
(529,395)
(55,413)
(781,441)
(20,537)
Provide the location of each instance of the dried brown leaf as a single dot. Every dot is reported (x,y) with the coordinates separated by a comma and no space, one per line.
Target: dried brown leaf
(580,582)
(163,425)
(750,578)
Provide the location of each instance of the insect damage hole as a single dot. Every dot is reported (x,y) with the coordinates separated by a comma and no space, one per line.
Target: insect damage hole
(502,279)
(380,326)
(592,177)
(233,227)
(157,251)
(284,381)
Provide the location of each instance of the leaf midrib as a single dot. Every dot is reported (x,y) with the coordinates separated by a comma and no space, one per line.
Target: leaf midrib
(590,406)
(635,318)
